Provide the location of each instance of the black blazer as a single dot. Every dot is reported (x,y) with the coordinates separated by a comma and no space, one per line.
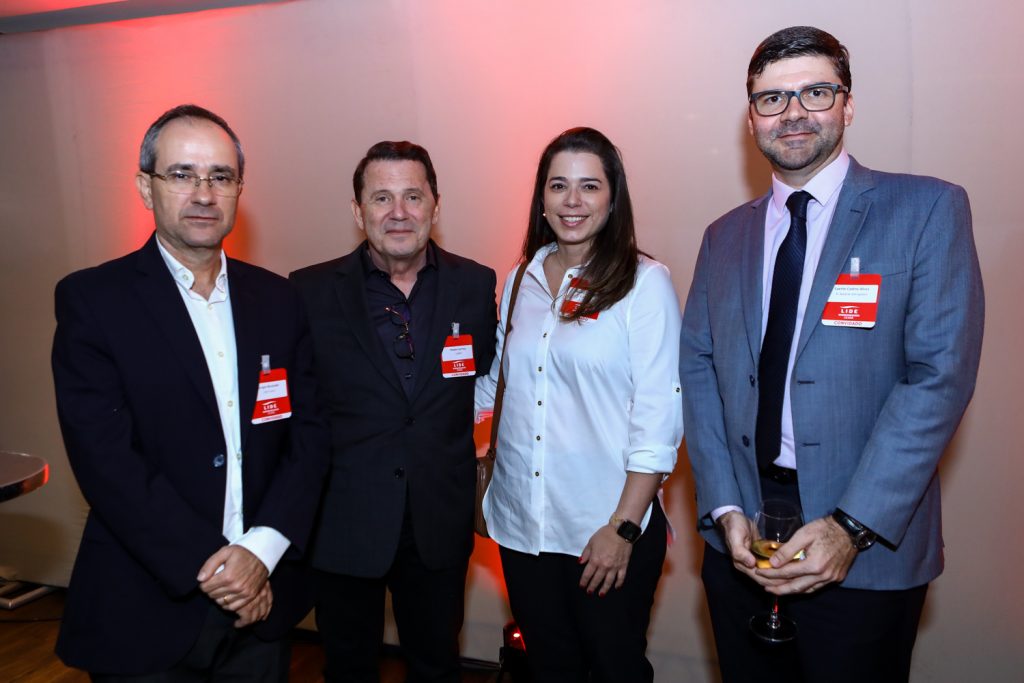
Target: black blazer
(388,447)
(137,410)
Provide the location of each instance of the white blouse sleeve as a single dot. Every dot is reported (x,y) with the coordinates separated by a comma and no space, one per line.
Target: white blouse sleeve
(656,418)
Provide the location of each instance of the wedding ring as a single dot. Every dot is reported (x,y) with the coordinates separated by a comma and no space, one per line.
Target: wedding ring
(225,600)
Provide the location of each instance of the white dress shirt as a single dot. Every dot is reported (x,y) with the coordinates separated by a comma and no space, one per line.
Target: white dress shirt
(215,328)
(584,403)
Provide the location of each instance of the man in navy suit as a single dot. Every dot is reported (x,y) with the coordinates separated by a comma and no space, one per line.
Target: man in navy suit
(186,400)
(830,346)
(400,329)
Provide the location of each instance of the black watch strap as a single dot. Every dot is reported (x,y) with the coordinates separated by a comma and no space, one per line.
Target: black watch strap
(861,537)
(626,529)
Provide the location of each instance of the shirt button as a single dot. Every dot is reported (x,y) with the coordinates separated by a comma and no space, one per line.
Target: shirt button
(540,403)
(545,335)
(538,437)
(220,354)
(536,474)
(231,404)
(540,368)
(678,390)
(238,456)
(209,307)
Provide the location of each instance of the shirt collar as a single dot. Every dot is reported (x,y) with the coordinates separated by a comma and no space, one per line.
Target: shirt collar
(823,187)
(542,253)
(185,278)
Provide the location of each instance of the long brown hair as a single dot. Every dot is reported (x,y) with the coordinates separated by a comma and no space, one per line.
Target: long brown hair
(611,270)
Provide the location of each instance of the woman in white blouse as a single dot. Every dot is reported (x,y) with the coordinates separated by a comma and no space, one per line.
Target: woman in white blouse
(592,418)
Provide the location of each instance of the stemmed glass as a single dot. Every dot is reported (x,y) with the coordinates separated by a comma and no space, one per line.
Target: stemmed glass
(777,521)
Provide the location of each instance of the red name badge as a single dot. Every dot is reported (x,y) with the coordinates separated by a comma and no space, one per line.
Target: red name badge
(853,301)
(457,356)
(272,402)
(574,297)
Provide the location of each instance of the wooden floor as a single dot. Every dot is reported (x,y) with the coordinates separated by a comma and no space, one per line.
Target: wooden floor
(27,636)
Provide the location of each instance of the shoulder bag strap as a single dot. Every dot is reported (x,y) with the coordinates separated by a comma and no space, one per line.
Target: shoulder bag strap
(499,393)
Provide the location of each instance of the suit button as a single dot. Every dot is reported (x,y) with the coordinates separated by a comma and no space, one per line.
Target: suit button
(410,420)
(399,472)
(752,381)
(746,440)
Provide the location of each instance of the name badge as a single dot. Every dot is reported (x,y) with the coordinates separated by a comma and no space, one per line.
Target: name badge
(574,297)
(457,355)
(853,301)
(272,402)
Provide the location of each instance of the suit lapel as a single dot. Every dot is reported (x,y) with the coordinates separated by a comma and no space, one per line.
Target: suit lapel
(851,210)
(245,314)
(350,290)
(751,274)
(158,292)
(445,300)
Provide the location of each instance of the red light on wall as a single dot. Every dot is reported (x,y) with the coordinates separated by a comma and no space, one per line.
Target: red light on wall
(13,8)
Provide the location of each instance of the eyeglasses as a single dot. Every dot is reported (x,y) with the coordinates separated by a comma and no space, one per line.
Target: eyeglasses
(817,97)
(403,341)
(184,182)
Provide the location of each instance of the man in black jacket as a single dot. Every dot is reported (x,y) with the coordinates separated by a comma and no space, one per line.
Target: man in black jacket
(401,327)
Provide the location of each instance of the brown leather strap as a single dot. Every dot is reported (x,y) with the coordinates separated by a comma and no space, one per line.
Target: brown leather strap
(499,393)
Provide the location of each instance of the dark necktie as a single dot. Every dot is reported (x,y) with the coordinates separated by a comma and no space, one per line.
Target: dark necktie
(778,334)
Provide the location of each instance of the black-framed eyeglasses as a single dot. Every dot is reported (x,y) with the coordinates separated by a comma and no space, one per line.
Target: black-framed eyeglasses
(817,97)
(186,182)
(401,317)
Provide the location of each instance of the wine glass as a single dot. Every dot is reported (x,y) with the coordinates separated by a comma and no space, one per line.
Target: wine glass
(777,521)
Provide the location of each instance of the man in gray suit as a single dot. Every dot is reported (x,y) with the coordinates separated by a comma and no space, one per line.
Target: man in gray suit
(830,346)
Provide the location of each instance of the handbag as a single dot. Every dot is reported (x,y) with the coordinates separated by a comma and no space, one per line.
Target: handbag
(485,465)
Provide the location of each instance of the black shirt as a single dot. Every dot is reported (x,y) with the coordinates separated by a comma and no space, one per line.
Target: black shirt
(416,310)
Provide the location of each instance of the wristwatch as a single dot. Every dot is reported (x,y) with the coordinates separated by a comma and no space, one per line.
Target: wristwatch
(626,529)
(862,537)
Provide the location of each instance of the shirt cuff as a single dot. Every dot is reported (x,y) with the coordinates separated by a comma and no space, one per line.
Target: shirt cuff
(266,543)
(718,512)
(651,459)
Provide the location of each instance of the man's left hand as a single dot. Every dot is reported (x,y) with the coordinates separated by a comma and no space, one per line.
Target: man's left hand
(238,583)
(828,556)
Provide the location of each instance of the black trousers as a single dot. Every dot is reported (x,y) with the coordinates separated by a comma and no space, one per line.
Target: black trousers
(843,634)
(428,606)
(572,637)
(221,653)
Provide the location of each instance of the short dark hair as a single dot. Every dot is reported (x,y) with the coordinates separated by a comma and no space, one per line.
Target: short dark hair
(147,153)
(388,150)
(799,41)
(611,270)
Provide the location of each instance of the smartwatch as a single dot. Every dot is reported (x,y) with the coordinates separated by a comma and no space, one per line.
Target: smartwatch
(626,529)
(862,537)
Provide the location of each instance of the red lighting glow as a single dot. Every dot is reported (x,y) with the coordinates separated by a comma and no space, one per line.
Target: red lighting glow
(14,8)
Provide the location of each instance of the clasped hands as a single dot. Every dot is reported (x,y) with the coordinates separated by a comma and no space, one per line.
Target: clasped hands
(240,585)
(828,554)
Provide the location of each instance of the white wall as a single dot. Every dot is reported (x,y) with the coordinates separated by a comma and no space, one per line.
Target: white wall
(310,84)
